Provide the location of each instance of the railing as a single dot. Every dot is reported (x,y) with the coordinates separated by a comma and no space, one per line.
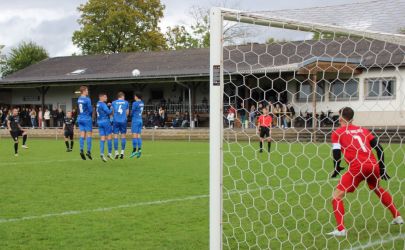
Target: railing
(181,108)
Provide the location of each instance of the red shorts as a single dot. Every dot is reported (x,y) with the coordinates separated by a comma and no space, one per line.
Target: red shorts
(351,179)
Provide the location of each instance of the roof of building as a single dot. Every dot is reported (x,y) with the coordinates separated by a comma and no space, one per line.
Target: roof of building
(249,59)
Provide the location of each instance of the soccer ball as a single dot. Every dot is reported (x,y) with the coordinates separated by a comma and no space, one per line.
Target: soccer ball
(136,72)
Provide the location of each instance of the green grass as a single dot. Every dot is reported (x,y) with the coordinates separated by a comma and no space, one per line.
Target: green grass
(160,201)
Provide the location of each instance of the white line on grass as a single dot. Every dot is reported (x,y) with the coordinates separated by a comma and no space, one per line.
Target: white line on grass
(379,242)
(105,209)
(144,155)
(147,203)
(78,159)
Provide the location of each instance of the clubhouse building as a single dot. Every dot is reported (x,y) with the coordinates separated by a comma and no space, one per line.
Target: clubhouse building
(314,75)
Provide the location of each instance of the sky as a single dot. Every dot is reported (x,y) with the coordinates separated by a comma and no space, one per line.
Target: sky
(51,23)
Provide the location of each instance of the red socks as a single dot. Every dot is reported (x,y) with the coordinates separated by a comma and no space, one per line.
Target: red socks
(386,199)
(339,211)
(339,208)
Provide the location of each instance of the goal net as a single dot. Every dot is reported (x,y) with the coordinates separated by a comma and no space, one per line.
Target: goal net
(303,65)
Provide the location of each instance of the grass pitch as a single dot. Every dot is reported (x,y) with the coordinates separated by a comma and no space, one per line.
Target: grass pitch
(51,199)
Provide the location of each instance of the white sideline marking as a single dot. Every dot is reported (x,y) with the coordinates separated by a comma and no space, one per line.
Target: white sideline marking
(147,203)
(378,242)
(105,209)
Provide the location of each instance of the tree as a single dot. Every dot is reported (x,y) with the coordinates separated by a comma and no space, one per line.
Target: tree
(2,61)
(179,38)
(201,26)
(233,32)
(274,40)
(328,35)
(24,55)
(112,26)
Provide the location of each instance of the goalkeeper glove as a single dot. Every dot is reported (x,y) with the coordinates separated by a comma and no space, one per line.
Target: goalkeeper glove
(383,173)
(337,171)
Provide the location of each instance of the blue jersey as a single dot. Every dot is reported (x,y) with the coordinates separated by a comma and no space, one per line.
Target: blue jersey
(103,112)
(85,108)
(120,108)
(137,109)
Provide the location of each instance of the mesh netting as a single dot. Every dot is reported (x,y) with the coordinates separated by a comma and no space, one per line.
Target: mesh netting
(281,198)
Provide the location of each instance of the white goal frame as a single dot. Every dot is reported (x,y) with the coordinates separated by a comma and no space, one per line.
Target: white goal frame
(217,18)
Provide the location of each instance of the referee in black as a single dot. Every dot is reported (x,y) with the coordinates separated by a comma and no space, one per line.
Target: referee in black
(13,125)
(68,128)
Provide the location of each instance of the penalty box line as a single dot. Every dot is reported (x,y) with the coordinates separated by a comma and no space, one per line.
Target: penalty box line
(147,203)
(378,242)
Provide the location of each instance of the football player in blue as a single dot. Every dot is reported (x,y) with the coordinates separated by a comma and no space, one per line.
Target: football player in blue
(104,125)
(137,124)
(120,116)
(85,121)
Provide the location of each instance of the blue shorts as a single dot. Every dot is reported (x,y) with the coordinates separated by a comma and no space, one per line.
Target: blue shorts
(120,127)
(85,125)
(104,128)
(136,127)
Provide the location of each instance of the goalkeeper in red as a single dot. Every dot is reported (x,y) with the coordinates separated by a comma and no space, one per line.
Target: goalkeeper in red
(357,144)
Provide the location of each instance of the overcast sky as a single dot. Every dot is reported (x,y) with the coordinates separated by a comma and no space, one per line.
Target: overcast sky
(51,23)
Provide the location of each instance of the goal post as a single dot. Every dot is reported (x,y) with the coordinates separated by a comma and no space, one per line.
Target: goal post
(277,194)
(216,135)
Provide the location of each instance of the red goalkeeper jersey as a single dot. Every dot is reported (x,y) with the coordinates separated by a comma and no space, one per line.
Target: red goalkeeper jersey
(265,121)
(354,141)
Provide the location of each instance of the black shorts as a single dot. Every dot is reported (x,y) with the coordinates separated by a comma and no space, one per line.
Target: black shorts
(16,134)
(264,132)
(69,134)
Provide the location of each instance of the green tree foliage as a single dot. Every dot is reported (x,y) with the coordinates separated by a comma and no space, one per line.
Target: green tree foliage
(328,35)
(112,26)
(274,40)
(22,56)
(179,38)
(201,26)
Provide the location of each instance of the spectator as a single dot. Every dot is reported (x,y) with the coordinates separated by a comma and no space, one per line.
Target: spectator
(242,115)
(24,115)
(177,122)
(186,120)
(284,115)
(162,117)
(33,116)
(270,107)
(59,118)
(47,118)
(2,117)
(40,118)
(196,119)
(156,119)
(252,116)
(54,117)
(231,118)
(291,113)
(74,115)
(277,114)
(149,119)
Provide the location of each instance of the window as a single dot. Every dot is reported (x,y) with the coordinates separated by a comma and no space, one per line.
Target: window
(344,89)
(377,88)
(304,91)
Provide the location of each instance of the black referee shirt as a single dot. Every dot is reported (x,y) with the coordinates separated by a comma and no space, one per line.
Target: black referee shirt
(69,124)
(14,123)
